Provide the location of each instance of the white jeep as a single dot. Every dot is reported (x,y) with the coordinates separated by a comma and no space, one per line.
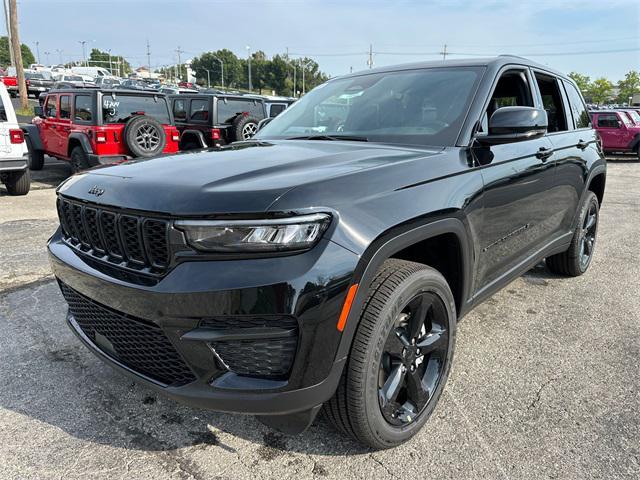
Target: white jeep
(13,149)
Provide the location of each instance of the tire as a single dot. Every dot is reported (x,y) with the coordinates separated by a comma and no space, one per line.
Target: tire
(36,157)
(360,406)
(144,136)
(79,160)
(18,183)
(575,261)
(244,127)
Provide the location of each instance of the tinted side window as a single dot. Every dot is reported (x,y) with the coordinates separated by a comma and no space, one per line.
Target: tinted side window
(608,120)
(3,112)
(552,102)
(65,106)
(50,108)
(82,108)
(512,90)
(276,109)
(199,110)
(229,108)
(578,108)
(179,109)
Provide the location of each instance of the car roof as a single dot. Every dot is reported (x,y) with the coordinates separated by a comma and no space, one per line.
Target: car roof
(104,90)
(497,62)
(219,95)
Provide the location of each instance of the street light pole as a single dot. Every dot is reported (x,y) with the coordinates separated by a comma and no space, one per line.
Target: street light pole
(46,54)
(59,52)
(110,66)
(208,78)
(221,70)
(84,52)
(38,51)
(249,64)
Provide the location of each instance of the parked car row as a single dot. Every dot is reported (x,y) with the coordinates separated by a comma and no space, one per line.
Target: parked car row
(619,129)
(97,126)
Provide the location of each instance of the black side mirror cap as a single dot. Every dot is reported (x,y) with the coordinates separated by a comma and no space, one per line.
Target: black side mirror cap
(515,124)
(37,111)
(263,122)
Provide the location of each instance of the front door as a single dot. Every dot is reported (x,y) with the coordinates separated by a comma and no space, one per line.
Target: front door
(612,131)
(517,214)
(49,124)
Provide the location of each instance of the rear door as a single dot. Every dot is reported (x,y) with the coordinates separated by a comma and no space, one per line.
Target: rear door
(611,129)
(49,124)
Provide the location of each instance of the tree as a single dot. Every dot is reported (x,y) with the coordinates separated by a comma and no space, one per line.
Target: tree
(600,90)
(114,63)
(628,86)
(5,58)
(233,73)
(583,81)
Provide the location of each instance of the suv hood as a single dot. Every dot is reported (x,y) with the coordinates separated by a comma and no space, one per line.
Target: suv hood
(243,178)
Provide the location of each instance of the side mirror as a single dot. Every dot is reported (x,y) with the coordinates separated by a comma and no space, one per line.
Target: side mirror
(37,111)
(263,122)
(515,124)
(619,122)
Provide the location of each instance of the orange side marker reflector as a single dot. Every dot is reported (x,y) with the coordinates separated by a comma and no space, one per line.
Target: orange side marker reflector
(346,308)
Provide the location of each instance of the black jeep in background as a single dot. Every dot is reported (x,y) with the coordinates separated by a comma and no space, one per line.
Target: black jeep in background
(212,120)
(325,264)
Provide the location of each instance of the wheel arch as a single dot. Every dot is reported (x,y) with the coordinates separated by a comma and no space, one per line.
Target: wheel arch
(407,242)
(33,136)
(191,134)
(597,184)
(79,139)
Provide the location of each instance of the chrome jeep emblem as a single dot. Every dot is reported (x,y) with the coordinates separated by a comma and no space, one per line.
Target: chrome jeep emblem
(97,191)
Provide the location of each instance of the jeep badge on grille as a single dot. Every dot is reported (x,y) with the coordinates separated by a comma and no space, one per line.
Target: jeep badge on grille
(97,191)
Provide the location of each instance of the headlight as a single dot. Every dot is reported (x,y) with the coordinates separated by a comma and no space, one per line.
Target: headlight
(273,235)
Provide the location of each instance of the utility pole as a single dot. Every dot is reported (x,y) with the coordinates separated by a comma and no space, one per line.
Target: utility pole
(84,51)
(38,51)
(46,54)
(444,52)
(208,78)
(110,66)
(59,52)
(149,57)
(179,67)
(17,53)
(249,66)
(6,17)
(295,94)
(221,70)
(370,61)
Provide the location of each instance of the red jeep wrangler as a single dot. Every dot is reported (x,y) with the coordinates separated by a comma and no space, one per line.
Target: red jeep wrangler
(90,127)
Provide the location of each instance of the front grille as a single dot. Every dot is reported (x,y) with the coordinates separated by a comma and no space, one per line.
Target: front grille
(263,358)
(139,344)
(129,241)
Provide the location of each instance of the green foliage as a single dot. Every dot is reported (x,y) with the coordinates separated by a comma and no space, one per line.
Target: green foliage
(267,75)
(600,90)
(5,57)
(629,86)
(582,81)
(98,58)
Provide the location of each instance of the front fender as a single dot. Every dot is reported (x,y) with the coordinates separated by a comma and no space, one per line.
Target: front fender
(385,247)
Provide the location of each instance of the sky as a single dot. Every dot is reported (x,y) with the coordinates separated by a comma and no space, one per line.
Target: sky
(596,38)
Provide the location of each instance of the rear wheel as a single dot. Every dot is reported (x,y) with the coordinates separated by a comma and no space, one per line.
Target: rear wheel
(576,260)
(400,357)
(79,160)
(18,183)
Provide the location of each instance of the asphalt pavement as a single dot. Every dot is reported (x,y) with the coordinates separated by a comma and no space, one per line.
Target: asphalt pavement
(545,383)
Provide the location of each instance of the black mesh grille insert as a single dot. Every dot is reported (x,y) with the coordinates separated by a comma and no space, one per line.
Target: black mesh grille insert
(264,358)
(130,241)
(138,344)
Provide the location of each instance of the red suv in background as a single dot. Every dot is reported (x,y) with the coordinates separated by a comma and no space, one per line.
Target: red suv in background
(617,131)
(90,127)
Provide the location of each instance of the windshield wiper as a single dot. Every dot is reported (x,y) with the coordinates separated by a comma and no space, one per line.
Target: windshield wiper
(351,138)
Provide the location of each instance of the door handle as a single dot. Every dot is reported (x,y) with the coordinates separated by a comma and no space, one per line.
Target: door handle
(544,153)
(582,144)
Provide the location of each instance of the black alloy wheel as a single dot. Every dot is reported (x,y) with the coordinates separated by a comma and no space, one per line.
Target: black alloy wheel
(413,360)
(588,238)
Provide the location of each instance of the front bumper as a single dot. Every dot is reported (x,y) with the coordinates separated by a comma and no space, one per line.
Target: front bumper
(310,287)
(15,164)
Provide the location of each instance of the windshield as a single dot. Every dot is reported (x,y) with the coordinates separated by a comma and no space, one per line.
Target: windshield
(419,107)
(72,78)
(120,108)
(635,116)
(33,76)
(625,118)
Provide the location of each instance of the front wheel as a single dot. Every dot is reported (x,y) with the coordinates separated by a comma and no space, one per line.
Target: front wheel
(400,357)
(576,260)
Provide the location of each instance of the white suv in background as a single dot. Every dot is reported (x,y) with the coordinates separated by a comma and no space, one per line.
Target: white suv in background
(13,150)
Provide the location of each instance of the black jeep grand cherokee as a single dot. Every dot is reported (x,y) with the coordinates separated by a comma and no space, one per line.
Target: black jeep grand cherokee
(325,263)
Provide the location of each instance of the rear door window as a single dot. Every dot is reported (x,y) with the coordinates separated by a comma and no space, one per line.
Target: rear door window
(179,109)
(65,106)
(578,109)
(82,108)
(199,111)
(230,108)
(276,109)
(3,111)
(119,108)
(552,102)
